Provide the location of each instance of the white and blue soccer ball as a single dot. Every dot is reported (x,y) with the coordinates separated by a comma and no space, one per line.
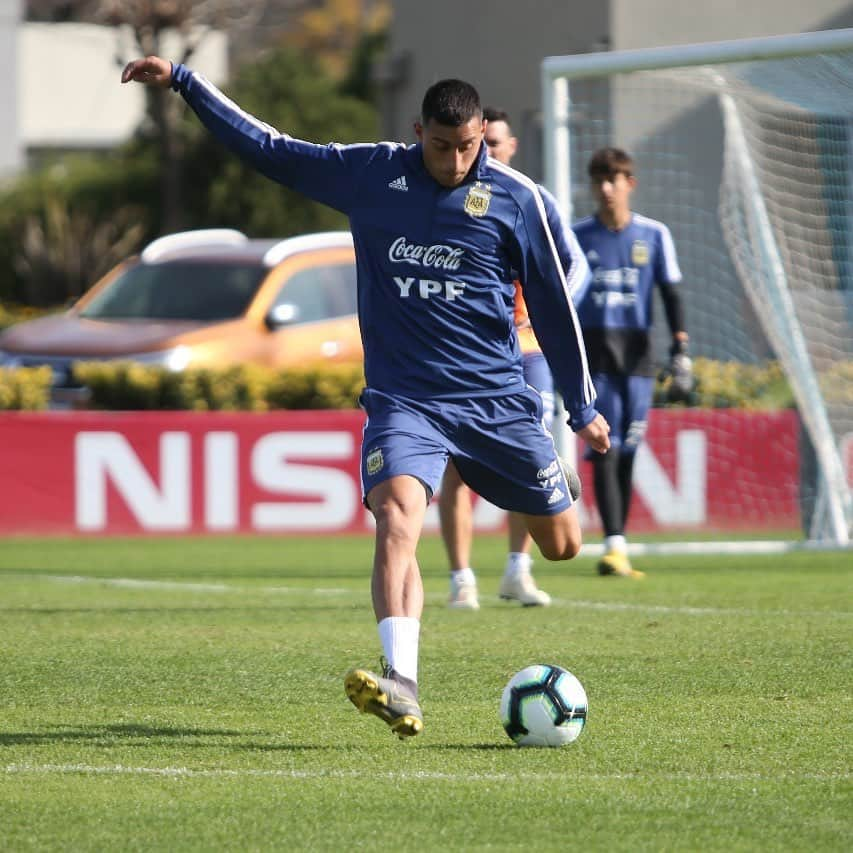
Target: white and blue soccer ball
(544,705)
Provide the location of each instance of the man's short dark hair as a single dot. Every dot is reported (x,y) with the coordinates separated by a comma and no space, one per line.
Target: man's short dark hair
(496,114)
(610,161)
(451,102)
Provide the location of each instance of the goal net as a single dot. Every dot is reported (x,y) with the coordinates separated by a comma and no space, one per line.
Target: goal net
(745,150)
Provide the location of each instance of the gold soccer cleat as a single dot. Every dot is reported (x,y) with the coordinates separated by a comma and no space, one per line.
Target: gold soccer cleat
(617,563)
(386,698)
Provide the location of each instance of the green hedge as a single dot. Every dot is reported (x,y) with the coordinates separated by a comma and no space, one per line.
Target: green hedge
(732,385)
(127,386)
(26,389)
(11,313)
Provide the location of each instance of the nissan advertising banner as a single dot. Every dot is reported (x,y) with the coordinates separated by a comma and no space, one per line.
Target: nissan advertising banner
(298,472)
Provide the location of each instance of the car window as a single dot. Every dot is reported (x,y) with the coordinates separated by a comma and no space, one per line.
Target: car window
(179,290)
(321,292)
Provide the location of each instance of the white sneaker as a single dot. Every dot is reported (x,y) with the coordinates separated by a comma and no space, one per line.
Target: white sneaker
(523,588)
(463,596)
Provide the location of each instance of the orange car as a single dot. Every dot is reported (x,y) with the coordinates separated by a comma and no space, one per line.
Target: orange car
(205,298)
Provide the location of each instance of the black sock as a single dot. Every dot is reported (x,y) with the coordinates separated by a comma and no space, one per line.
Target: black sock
(608,494)
(626,483)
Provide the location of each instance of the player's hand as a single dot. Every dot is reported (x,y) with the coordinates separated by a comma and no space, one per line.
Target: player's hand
(597,434)
(681,371)
(153,71)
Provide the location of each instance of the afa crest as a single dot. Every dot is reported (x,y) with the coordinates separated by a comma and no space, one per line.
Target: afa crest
(374,461)
(639,253)
(477,200)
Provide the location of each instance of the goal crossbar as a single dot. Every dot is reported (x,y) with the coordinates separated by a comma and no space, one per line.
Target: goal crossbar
(701,53)
(557,70)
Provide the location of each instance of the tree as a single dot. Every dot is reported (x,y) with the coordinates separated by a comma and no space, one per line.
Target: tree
(335,30)
(59,226)
(64,251)
(148,21)
(332,30)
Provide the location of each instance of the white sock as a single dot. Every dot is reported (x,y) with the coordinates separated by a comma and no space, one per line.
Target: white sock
(464,576)
(616,543)
(399,636)
(517,563)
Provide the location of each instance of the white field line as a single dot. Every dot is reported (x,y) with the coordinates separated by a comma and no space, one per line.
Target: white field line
(580,604)
(618,606)
(186,586)
(697,611)
(401,775)
(711,547)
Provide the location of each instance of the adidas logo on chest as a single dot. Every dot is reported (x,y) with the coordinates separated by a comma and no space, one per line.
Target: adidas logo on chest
(399,184)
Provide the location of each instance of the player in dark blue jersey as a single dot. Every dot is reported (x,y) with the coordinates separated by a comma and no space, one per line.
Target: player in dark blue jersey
(628,254)
(440,233)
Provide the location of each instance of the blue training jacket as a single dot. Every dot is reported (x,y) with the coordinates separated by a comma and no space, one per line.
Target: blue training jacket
(435,265)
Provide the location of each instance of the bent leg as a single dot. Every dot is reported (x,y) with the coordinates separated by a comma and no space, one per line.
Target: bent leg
(558,536)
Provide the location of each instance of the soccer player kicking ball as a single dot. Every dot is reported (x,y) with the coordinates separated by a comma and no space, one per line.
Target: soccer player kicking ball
(440,231)
(628,254)
(454,500)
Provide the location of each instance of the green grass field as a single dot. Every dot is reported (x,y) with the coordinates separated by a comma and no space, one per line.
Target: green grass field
(186,694)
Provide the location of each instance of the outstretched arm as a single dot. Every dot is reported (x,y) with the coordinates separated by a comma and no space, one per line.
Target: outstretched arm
(153,71)
(326,173)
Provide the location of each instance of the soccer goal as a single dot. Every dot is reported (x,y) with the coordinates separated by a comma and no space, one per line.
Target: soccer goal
(745,149)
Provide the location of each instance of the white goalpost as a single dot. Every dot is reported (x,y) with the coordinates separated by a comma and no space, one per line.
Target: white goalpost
(745,149)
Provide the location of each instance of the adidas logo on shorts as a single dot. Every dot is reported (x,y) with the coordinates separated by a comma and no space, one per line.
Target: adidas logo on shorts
(399,184)
(556,495)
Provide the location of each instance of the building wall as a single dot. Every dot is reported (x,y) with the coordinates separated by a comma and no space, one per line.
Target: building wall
(654,23)
(11,155)
(496,45)
(60,85)
(499,45)
(89,108)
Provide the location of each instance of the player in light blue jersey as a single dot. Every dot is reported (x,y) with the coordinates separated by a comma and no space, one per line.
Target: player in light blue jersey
(440,232)
(629,255)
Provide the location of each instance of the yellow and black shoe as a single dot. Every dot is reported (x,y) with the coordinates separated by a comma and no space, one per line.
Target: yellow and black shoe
(385,697)
(617,563)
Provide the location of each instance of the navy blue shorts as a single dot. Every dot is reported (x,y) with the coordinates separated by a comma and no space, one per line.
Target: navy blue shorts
(499,446)
(624,401)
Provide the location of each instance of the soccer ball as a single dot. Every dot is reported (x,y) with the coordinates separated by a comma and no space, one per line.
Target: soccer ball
(543,705)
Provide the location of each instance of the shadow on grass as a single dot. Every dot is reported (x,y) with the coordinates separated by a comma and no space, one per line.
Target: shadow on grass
(110,733)
(285,605)
(130,734)
(468,747)
(133,734)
